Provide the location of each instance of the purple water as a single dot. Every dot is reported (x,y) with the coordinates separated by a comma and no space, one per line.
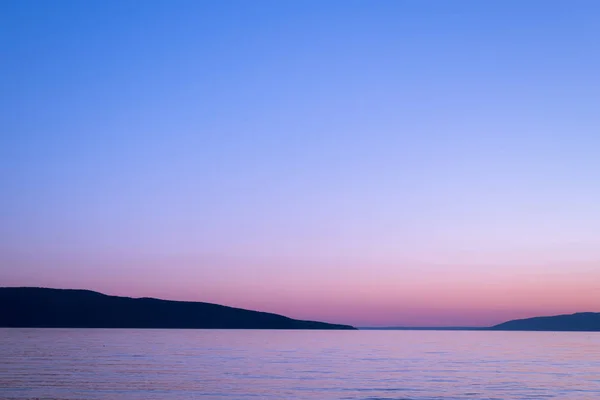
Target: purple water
(216,364)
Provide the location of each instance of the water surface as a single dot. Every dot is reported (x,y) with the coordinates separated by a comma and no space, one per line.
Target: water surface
(109,364)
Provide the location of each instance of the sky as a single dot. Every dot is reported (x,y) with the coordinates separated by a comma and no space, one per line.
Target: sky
(376,163)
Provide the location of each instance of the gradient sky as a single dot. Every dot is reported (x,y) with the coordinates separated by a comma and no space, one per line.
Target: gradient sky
(367,162)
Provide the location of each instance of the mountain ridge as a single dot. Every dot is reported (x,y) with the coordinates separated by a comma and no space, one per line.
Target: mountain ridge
(80,308)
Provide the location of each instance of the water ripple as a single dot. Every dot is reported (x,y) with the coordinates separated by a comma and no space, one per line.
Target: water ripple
(80,364)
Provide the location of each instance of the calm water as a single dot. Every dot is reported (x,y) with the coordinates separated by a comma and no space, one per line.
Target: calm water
(189,364)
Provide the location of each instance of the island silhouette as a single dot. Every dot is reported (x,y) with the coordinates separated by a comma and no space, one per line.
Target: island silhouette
(578,322)
(72,308)
(34,307)
(583,322)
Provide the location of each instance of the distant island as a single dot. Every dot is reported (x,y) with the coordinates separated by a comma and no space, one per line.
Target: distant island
(578,322)
(70,308)
(582,322)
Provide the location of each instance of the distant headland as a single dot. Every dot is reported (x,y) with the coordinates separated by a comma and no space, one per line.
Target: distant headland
(578,322)
(70,308)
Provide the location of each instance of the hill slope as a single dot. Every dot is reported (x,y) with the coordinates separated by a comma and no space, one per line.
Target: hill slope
(66,308)
(587,321)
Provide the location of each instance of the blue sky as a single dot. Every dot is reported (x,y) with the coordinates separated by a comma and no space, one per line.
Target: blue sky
(260,153)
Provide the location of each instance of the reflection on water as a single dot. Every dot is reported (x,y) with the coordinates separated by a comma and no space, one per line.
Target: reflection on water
(188,364)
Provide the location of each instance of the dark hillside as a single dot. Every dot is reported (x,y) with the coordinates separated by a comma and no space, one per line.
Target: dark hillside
(63,308)
(586,321)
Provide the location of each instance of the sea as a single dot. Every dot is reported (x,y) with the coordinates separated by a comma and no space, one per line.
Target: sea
(148,364)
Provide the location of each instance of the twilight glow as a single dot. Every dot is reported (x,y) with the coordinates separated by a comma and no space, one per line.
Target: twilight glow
(371,163)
